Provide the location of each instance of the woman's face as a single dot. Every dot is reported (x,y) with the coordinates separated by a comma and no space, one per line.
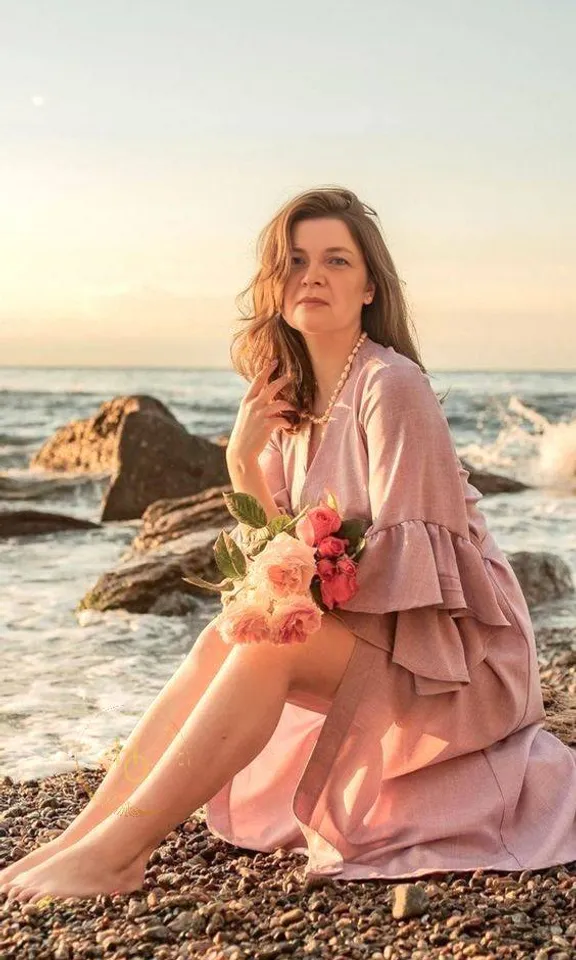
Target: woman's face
(326,263)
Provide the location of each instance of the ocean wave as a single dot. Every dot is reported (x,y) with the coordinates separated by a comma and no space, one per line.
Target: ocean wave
(17,440)
(30,487)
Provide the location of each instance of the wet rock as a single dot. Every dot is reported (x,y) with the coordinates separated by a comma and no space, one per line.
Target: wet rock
(33,523)
(156,584)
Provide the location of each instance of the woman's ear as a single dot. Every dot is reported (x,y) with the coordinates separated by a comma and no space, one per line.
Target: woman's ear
(370,291)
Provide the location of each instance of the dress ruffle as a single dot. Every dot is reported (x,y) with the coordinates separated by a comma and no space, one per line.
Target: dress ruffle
(424,595)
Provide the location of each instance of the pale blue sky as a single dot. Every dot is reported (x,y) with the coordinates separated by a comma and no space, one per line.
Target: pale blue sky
(144,145)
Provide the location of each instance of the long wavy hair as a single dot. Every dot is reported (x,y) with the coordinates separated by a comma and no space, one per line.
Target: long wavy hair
(266,335)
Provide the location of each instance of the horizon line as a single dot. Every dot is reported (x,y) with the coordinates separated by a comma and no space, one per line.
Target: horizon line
(73,366)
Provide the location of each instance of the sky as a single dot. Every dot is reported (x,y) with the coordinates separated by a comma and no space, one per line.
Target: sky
(144,146)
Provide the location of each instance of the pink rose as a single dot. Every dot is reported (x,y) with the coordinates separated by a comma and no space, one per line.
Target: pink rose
(322,521)
(337,580)
(244,622)
(294,619)
(332,546)
(285,567)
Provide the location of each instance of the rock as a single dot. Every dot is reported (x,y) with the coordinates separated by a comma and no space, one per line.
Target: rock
(155,585)
(148,453)
(166,521)
(543,576)
(136,908)
(487,482)
(91,446)
(158,459)
(31,523)
(155,931)
(62,950)
(186,920)
(409,900)
(291,916)
(30,910)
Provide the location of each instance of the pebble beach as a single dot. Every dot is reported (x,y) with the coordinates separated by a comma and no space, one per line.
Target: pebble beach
(203,898)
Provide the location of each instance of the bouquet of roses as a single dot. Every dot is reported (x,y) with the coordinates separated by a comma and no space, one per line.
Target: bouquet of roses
(289,571)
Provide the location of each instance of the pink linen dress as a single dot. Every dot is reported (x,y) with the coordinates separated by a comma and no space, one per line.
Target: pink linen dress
(432,756)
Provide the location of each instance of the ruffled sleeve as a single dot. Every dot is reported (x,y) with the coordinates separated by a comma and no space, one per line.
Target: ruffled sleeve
(425,592)
(272,465)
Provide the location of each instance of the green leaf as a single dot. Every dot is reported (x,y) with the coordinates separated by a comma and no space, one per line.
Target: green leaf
(352,529)
(229,557)
(245,509)
(279,524)
(223,558)
(358,548)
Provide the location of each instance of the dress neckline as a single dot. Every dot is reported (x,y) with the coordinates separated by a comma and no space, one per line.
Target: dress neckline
(338,413)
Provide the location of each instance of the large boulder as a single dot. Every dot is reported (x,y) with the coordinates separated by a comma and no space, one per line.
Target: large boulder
(543,576)
(31,523)
(91,446)
(150,455)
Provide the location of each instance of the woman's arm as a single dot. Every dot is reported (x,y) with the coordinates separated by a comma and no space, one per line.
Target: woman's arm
(248,477)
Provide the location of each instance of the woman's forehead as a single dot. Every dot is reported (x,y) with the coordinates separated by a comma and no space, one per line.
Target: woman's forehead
(322,233)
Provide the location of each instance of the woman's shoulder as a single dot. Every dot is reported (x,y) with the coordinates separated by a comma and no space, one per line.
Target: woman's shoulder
(386,371)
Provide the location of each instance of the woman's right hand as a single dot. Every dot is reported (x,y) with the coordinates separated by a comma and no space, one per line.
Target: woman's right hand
(258,415)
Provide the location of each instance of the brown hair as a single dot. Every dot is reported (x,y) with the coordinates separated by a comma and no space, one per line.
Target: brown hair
(267,336)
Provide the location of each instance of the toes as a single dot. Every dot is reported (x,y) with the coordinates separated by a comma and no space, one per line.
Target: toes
(24,894)
(43,899)
(14,892)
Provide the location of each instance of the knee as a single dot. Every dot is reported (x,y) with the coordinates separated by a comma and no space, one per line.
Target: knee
(209,646)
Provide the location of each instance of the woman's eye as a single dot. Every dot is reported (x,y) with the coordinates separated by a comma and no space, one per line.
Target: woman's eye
(295,259)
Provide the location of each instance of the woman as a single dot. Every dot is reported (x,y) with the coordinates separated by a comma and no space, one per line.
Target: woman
(405,737)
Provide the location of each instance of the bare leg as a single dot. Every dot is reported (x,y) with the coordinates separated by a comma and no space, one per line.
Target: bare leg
(231,724)
(152,735)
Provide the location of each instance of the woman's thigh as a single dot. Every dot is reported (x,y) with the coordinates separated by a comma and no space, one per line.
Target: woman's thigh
(317,666)
(314,668)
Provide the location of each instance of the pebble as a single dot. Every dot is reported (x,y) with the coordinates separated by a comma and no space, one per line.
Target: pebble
(409,900)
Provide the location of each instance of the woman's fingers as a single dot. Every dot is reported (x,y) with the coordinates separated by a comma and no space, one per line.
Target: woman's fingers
(260,379)
(269,391)
(281,405)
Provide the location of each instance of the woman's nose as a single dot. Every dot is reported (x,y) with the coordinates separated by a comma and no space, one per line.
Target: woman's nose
(313,273)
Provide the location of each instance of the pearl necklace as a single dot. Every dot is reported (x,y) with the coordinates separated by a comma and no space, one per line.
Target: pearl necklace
(345,373)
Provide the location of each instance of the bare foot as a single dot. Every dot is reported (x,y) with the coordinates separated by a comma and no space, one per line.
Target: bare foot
(78,872)
(32,859)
